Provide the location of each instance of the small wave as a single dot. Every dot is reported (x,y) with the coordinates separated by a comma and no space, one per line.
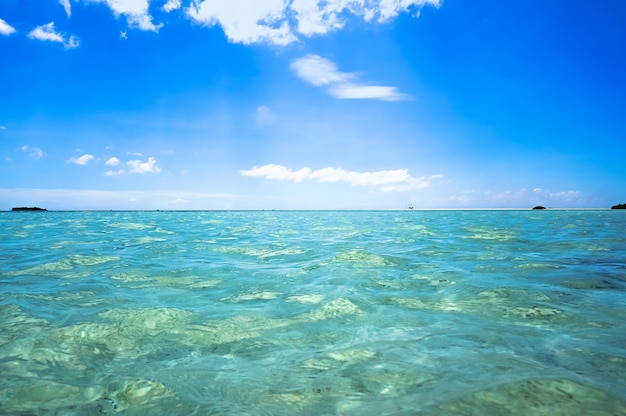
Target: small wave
(257,296)
(490,234)
(311,299)
(261,253)
(130,226)
(538,266)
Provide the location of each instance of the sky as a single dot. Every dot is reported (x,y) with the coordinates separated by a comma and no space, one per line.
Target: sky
(306,104)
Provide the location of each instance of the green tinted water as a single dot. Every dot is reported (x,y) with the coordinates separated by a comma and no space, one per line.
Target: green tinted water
(365,313)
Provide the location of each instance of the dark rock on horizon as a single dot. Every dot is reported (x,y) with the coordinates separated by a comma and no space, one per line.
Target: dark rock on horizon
(539,207)
(28,209)
(619,206)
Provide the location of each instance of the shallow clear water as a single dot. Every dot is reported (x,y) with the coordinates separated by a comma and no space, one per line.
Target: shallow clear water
(313,313)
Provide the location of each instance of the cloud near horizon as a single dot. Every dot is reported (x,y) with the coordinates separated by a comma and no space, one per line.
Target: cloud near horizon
(76,199)
(536,196)
(386,180)
(321,72)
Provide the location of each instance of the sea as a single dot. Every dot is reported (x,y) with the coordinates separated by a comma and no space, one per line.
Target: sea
(408,312)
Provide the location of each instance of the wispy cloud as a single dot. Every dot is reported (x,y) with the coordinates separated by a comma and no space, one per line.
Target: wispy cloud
(265,115)
(359,92)
(280,22)
(82,160)
(322,72)
(48,33)
(133,166)
(66,5)
(386,180)
(5,28)
(135,11)
(34,152)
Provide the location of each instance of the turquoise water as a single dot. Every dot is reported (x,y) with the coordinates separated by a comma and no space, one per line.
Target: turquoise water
(313,313)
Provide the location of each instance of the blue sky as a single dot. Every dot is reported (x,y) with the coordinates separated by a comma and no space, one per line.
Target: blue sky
(299,104)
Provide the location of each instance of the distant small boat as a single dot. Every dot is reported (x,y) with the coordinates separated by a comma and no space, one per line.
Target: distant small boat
(28,209)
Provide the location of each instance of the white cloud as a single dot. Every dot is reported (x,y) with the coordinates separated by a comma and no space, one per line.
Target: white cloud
(171,5)
(66,5)
(315,18)
(48,33)
(82,160)
(245,21)
(387,180)
(280,21)
(34,152)
(112,161)
(134,166)
(279,172)
(135,11)
(137,166)
(322,72)
(5,28)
